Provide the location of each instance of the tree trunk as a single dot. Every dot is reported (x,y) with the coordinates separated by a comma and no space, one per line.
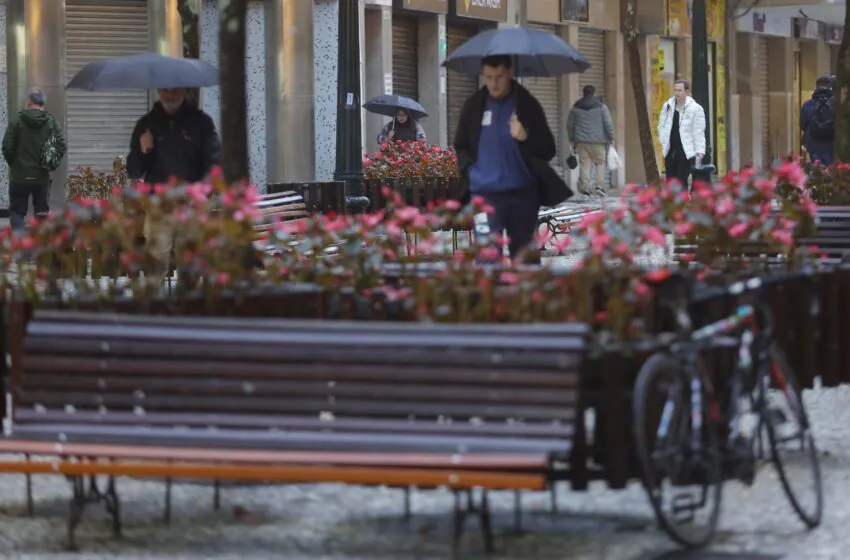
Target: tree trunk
(841,146)
(630,33)
(234,106)
(191,38)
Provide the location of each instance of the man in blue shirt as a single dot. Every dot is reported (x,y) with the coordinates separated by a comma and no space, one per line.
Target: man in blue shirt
(502,138)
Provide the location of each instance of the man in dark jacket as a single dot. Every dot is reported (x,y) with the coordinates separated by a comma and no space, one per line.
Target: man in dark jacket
(175,140)
(817,121)
(23,145)
(502,130)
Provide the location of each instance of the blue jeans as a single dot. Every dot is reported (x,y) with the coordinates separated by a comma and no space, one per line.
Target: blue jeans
(515,212)
(824,157)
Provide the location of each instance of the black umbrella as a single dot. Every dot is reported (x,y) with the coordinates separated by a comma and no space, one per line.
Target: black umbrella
(389,105)
(145,71)
(535,53)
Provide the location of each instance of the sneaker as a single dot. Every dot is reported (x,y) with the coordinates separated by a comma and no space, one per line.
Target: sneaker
(599,192)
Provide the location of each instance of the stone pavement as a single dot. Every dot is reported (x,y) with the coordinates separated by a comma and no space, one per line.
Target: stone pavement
(347,523)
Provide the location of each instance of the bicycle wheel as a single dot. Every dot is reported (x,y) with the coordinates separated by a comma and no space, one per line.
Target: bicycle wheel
(798,463)
(663,429)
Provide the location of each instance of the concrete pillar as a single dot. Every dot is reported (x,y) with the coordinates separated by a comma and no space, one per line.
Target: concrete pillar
(290,138)
(684,59)
(379,67)
(165,28)
(748,108)
(35,43)
(616,83)
(780,95)
(432,38)
(569,95)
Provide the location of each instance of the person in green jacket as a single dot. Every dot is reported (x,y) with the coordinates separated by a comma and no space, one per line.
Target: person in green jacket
(23,149)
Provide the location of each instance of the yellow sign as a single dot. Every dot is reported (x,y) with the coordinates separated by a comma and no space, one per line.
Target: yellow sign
(679,17)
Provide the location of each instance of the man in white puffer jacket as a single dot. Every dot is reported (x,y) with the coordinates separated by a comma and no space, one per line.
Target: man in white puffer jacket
(681,131)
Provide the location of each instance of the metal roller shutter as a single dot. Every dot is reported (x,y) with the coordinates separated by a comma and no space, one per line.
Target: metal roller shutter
(763,83)
(406,56)
(459,87)
(591,43)
(548,93)
(99,124)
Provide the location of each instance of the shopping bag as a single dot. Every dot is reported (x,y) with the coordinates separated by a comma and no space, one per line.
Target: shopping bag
(613,159)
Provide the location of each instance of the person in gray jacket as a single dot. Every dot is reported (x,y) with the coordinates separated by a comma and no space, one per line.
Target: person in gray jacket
(590,131)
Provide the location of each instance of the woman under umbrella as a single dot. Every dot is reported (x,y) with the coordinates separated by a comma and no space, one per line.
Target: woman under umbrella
(403,128)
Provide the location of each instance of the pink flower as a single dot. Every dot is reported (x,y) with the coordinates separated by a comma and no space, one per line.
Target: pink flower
(738,229)
(655,236)
(684,228)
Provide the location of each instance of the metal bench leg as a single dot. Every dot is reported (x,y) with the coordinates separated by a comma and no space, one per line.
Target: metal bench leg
(553,498)
(457,532)
(77,507)
(30,506)
(217,495)
(517,512)
(486,523)
(113,506)
(167,515)
(407,508)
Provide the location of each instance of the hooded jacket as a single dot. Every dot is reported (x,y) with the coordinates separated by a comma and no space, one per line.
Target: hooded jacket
(185,145)
(23,143)
(691,126)
(590,122)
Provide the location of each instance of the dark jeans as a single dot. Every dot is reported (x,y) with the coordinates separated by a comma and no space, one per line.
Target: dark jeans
(678,166)
(19,199)
(516,213)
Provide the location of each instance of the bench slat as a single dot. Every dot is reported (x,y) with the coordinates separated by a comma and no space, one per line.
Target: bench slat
(67,364)
(279,422)
(290,440)
(295,474)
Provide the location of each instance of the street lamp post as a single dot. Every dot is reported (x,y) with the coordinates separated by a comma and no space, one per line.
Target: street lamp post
(699,65)
(349,150)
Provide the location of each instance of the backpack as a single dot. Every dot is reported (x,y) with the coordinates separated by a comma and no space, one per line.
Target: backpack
(51,154)
(822,125)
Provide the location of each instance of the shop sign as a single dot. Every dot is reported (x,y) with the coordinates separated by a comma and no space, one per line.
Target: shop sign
(766,24)
(834,34)
(493,10)
(576,10)
(679,13)
(805,28)
(432,6)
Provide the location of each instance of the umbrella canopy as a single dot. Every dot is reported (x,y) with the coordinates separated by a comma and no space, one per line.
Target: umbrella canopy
(145,71)
(535,53)
(390,104)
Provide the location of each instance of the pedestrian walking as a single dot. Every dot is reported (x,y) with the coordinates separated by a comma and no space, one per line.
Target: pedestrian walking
(503,143)
(33,146)
(403,128)
(590,130)
(175,140)
(681,131)
(817,121)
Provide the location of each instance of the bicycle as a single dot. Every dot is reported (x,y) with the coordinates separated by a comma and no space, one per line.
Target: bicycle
(691,444)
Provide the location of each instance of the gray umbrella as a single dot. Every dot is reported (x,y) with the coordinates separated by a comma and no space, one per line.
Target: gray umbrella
(535,53)
(145,71)
(389,105)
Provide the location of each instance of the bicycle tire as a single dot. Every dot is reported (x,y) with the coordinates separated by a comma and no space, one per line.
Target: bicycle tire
(657,365)
(810,518)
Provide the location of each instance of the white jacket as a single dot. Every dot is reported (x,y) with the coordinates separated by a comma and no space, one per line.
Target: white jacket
(691,126)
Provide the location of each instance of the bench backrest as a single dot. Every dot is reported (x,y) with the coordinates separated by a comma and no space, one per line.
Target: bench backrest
(83,369)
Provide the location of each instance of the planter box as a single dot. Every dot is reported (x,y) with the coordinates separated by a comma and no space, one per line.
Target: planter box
(415,191)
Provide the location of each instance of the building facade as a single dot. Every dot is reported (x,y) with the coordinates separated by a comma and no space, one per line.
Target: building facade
(763,65)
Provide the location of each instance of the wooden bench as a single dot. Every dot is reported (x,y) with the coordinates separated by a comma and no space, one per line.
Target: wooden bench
(833,234)
(495,407)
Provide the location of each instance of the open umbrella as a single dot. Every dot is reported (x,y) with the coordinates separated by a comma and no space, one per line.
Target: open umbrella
(389,105)
(145,71)
(535,53)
